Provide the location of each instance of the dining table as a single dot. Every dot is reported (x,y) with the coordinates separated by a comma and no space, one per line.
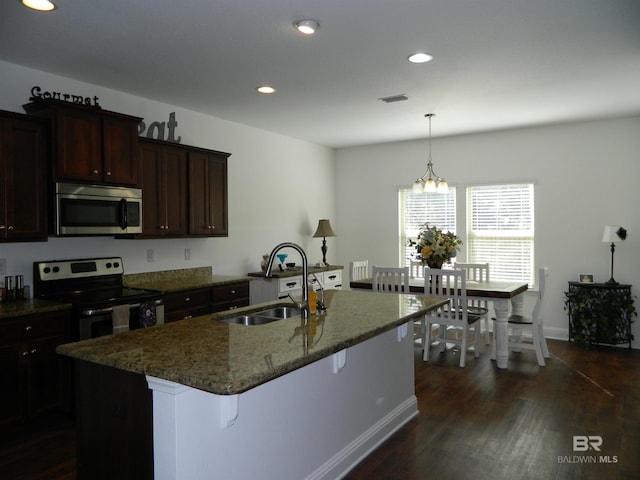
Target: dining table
(503,295)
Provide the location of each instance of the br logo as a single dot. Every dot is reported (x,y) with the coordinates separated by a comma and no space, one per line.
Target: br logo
(582,443)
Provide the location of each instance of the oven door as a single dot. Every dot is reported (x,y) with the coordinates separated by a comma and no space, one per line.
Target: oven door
(99,322)
(97,210)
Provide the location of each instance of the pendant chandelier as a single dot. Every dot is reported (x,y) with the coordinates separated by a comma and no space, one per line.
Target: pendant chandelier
(430,182)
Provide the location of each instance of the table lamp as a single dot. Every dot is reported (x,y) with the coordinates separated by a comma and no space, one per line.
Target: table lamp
(613,234)
(324,230)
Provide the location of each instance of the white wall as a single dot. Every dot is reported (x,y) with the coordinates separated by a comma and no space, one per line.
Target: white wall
(278,188)
(586,177)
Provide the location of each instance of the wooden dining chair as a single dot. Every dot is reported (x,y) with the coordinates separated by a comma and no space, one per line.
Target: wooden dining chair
(534,324)
(478,272)
(454,322)
(358,269)
(390,279)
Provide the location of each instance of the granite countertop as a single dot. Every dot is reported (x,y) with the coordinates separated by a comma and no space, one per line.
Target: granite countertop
(295,271)
(225,358)
(18,308)
(177,280)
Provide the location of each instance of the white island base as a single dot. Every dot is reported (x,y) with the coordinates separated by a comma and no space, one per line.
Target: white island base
(316,422)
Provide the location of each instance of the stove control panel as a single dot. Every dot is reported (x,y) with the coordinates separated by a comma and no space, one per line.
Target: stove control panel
(84,268)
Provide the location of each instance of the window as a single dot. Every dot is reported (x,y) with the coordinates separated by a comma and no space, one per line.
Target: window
(500,230)
(417,208)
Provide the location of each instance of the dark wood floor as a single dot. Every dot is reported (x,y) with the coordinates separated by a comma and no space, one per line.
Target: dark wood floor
(478,422)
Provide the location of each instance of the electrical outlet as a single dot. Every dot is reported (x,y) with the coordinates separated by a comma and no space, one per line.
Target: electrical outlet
(3,266)
(151,255)
(187,254)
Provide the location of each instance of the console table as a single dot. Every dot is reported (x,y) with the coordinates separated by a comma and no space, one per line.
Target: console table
(600,313)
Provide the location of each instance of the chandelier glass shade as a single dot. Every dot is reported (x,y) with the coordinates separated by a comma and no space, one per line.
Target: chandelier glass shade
(430,182)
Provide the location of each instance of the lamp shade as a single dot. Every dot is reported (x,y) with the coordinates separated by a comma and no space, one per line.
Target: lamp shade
(324,229)
(613,234)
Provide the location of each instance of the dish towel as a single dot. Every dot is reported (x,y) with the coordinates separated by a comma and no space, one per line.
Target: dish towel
(120,318)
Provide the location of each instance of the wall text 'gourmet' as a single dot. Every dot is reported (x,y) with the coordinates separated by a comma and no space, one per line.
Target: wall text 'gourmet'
(38,94)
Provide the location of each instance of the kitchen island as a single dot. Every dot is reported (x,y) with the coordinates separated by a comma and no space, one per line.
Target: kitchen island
(289,399)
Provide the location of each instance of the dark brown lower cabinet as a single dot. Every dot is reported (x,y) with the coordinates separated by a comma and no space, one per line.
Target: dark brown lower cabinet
(33,376)
(114,418)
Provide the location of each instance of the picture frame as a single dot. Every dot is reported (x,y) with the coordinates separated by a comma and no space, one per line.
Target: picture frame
(586,277)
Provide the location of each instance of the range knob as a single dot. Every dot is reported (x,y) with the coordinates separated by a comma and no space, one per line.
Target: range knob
(46,270)
(108,265)
(56,269)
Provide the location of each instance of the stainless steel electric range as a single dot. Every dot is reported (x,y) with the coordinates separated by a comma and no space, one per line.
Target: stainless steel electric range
(94,287)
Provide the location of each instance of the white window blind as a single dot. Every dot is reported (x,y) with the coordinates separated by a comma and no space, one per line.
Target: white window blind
(500,230)
(437,209)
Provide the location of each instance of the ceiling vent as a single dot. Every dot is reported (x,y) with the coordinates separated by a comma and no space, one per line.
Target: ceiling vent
(394,98)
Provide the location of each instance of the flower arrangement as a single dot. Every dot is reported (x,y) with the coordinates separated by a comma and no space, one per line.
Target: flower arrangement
(434,247)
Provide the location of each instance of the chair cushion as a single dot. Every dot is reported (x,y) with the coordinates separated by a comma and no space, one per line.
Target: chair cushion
(471,318)
(477,311)
(517,319)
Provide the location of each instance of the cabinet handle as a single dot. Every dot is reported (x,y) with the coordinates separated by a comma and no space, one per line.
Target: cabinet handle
(95,172)
(2,227)
(28,328)
(187,299)
(10,227)
(25,353)
(332,277)
(109,173)
(292,284)
(34,351)
(233,292)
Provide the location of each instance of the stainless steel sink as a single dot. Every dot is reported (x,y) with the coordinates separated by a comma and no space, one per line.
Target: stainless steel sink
(262,317)
(280,312)
(249,320)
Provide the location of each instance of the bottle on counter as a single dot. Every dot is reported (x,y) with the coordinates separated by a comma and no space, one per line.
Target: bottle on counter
(313,299)
(19,287)
(9,288)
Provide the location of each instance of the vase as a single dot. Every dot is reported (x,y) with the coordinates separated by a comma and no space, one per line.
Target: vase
(435,262)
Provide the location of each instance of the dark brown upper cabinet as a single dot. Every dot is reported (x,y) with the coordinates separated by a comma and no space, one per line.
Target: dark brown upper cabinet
(164,189)
(23,186)
(184,190)
(208,194)
(90,144)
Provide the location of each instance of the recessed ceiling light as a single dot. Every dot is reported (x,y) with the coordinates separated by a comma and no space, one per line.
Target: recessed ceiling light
(420,57)
(266,89)
(308,27)
(40,5)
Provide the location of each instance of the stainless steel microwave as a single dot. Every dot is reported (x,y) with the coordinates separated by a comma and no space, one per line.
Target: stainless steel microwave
(97,210)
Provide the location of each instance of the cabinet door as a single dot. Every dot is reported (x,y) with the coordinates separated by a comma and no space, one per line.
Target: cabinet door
(45,382)
(229,296)
(175,174)
(186,304)
(13,381)
(154,217)
(208,194)
(164,187)
(22,178)
(120,141)
(79,145)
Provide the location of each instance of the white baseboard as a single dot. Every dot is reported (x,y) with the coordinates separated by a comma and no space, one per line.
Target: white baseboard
(347,458)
